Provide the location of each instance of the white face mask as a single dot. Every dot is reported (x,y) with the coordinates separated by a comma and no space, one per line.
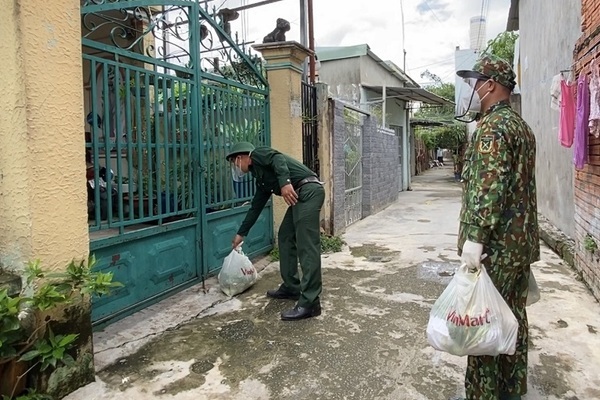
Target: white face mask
(468,101)
(236,171)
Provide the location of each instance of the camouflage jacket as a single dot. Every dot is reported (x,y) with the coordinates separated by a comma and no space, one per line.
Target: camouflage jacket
(499,205)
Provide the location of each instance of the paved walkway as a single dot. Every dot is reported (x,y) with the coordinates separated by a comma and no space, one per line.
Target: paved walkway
(370,341)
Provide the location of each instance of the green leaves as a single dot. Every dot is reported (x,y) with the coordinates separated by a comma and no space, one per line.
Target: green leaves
(451,136)
(51,351)
(503,46)
(11,333)
(48,296)
(99,284)
(444,113)
(38,344)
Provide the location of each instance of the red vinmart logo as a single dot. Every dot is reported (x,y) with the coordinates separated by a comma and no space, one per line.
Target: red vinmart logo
(467,320)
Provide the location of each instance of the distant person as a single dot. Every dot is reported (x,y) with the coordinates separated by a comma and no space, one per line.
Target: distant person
(299,236)
(440,156)
(499,217)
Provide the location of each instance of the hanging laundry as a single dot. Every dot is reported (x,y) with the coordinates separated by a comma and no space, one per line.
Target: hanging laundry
(594,119)
(580,152)
(555,92)
(566,130)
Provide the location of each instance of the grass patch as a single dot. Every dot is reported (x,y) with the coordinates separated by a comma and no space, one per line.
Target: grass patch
(329,244)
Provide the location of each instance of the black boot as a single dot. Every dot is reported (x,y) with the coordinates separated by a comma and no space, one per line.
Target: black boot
(299,312)
(281,293)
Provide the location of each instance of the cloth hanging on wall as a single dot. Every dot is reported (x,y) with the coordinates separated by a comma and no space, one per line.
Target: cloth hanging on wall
(566,130)
(580,152)
(594,86)
(555,92)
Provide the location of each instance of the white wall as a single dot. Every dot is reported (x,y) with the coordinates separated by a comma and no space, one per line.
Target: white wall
(547,37)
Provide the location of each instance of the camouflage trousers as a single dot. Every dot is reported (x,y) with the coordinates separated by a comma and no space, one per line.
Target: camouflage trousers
(503,377)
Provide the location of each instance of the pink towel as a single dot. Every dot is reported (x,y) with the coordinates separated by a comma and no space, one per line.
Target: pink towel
(566,130)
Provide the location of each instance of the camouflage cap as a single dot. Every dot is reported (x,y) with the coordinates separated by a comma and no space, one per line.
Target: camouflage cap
(491,67)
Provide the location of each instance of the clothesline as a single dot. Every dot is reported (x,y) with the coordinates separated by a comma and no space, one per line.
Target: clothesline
(578,100)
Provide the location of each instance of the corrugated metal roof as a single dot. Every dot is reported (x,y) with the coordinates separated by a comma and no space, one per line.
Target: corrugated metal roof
(412,94)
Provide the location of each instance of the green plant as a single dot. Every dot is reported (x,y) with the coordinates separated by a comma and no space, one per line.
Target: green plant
(331,244)
(25,336)
(503,46)
(31,395)
(132,88)
(274,254)
(589,243)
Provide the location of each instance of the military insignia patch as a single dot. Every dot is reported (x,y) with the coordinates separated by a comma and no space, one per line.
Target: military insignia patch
(486,144)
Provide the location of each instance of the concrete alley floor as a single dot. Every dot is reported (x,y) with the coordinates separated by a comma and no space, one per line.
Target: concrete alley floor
(370,341)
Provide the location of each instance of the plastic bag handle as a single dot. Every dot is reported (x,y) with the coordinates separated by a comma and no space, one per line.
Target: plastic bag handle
(239,248)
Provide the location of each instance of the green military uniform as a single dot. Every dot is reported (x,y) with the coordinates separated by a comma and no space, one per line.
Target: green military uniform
(299,236)
(499,210)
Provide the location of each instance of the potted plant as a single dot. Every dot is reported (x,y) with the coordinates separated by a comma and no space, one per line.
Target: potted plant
(32,338)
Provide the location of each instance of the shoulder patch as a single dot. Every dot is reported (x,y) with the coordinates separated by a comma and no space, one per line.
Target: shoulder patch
(486,144)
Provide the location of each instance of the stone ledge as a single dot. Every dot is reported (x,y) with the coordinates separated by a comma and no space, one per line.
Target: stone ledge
(560,243)
(11,282)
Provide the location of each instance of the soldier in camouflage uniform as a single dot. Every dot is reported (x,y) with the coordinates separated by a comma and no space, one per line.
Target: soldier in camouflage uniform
(498,220)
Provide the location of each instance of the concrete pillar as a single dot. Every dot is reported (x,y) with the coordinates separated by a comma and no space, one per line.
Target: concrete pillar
(284,73)
(42,166)
(43,204)
(325,135)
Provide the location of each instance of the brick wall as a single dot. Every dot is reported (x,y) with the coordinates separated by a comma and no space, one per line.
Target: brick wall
(587,181)
(590,16)
(380,168)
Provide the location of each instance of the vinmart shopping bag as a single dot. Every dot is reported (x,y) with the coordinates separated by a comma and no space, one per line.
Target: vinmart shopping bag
(471,317)
(237,273)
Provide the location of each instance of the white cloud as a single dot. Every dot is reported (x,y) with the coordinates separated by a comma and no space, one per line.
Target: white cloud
(433,28)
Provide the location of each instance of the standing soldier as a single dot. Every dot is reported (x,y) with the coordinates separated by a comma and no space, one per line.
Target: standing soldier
(498,220)
(299,236)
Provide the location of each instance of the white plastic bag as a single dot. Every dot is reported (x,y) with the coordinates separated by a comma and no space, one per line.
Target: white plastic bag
(533,296)
(237,273)
(471,317)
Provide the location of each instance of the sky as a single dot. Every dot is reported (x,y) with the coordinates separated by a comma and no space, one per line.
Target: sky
(432,28)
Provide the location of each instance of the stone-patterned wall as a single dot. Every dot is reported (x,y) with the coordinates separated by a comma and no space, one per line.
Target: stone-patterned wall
(338,166)
(381,165)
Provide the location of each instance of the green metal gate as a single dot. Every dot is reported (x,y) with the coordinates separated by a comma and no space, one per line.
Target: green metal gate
(167,92)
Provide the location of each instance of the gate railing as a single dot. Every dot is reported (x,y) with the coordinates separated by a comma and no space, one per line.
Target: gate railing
(353,155)
(310,142)
(167,93)
(140,149)
(232,113)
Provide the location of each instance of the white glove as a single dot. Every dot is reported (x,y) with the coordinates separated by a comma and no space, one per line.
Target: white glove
(471,255)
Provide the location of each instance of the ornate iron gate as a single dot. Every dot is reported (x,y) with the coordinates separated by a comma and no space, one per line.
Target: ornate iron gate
(354,120)
(167,93)
(310,139)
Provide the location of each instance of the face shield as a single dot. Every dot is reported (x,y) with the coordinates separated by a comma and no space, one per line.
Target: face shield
(468,103)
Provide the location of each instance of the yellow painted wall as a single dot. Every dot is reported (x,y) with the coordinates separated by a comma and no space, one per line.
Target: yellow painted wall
(42,166)
(284,62)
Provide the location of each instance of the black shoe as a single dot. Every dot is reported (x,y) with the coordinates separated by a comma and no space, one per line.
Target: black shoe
(282,294)
(298,312)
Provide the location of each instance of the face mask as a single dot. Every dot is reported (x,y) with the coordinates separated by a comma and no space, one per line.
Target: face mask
(468,101)
(236,172)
